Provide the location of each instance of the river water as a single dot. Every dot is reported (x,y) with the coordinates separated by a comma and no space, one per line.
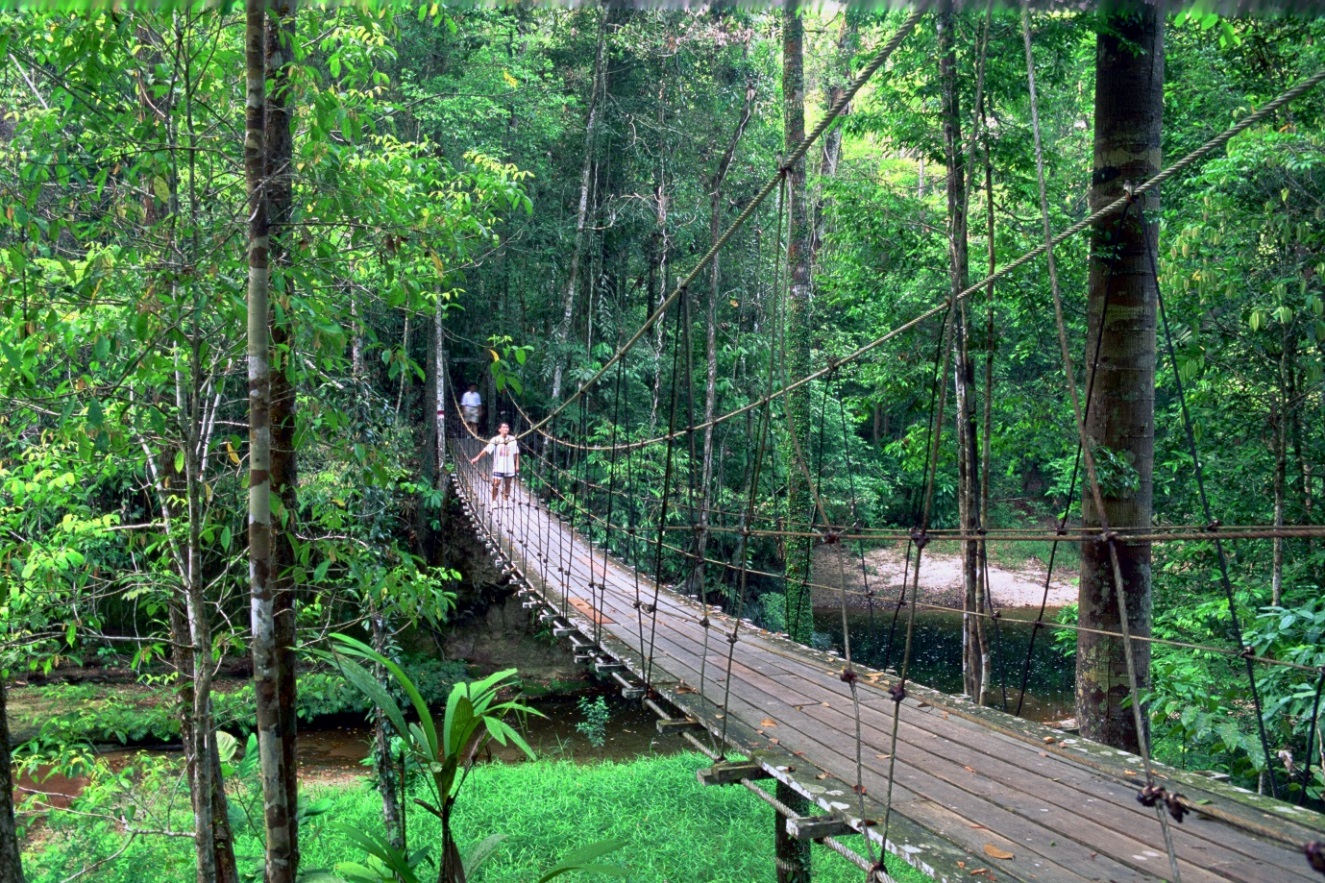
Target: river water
(936,652)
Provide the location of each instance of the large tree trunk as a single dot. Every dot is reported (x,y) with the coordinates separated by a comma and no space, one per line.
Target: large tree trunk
(582,215)
(968,468)
(800,621)
(11,866)
(280,858)
(1129,103)
(284,471)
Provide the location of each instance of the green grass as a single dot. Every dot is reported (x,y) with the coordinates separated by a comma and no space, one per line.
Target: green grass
(676,830)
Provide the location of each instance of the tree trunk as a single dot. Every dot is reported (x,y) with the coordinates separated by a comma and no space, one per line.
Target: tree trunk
(284,468)
(839,81)
(266,656)
(968,464)
(384,766)
(1279,424)
(695,581)
(11,865)
(1129,59)
(800,621)
(582,215)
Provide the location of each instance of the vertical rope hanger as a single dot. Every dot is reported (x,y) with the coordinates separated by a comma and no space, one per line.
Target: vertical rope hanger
(652,607)
(1089,459)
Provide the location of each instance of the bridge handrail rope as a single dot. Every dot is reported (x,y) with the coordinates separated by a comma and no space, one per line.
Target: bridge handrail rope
(930,537)
(798,153)
(1075,229)
(1092,474)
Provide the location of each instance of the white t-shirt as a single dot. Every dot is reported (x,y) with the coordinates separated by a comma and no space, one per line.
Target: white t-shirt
(503,451)
(471,399)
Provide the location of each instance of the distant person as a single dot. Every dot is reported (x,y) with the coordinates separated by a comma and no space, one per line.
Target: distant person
(505,451)
(471,407)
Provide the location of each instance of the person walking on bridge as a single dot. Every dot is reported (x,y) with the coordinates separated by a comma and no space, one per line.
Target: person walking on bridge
(505,451)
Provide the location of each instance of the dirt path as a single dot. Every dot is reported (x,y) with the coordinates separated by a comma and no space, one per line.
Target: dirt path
(940,578)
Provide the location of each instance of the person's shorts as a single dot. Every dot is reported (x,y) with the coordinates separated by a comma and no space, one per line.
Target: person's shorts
(471,413)
(503,475)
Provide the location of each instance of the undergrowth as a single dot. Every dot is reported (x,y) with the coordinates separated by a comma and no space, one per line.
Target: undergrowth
(675,829)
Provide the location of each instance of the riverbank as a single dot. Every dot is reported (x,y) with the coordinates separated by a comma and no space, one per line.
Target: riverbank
(885,572)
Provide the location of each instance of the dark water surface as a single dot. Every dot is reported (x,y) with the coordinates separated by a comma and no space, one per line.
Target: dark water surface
(936,653)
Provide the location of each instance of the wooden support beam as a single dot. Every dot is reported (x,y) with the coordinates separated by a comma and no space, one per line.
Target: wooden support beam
(603,666)
(678,725)
(732,772)
(817,827)
(561,631)
(629,689)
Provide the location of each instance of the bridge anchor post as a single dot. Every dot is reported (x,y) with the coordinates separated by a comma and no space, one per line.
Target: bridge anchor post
(792,856)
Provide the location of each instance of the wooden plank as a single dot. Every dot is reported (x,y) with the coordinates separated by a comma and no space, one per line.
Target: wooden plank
(589,612)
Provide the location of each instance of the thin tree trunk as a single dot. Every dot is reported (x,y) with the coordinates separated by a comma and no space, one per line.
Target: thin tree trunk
(695,581)
(1129,80)
(266,657)
(1280,424)
(11,865)
(840,79)
(582,215)
(968,464)
(284,466)
(664,283)
(800,620)
(383,762)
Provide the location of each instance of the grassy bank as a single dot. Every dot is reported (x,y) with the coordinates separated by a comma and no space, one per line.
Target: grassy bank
(675,829)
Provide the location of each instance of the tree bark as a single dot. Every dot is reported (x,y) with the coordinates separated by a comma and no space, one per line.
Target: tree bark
(284,466)
(11,865)
(582,215)
(1129,64)
(800,513)
(968,464)
(266,657)
(839,81)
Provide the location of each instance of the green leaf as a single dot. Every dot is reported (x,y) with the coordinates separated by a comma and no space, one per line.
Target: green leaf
(585,859)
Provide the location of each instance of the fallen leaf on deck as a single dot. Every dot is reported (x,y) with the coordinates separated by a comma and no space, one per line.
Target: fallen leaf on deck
(684,688)
(883,756)
(1129,772)
(969,769)
(822,776)
(994,852)
(823,703)
(774,741)
(768,722)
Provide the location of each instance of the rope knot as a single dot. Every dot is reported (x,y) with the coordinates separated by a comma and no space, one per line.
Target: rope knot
(1152,795)
(1315,853)
(731,638)
(830,537)
(849,676)
(1214,525)
(705,623)
(897,692)
(997,614)
(919,537)
(1248,652)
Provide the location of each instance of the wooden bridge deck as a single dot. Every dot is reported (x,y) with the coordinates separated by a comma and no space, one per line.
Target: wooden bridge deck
(970,783)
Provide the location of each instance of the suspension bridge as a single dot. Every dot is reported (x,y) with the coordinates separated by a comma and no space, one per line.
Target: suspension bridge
(950,788)
(867,762)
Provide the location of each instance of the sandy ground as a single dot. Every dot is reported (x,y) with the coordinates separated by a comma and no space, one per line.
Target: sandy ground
(940,578)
